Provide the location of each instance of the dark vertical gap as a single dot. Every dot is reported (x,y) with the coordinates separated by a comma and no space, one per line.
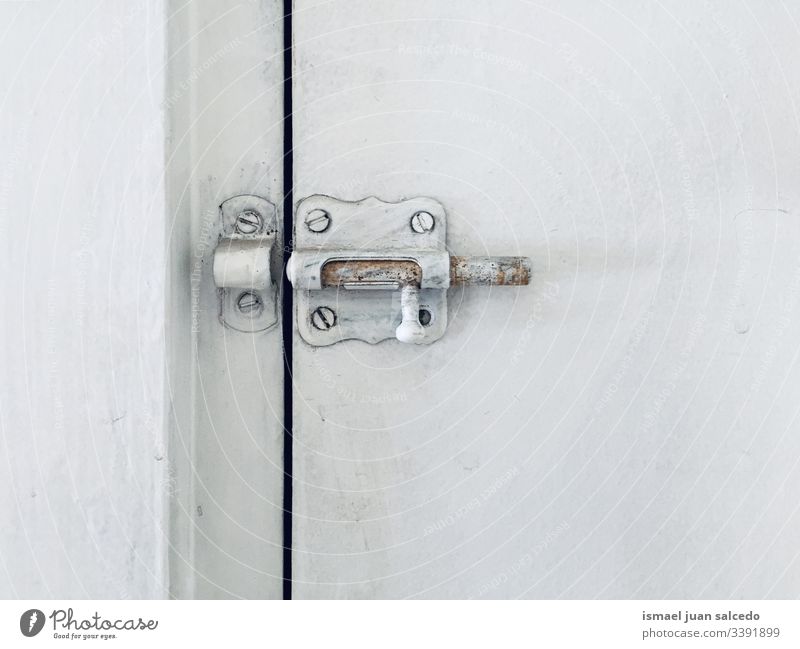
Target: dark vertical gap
(287,299)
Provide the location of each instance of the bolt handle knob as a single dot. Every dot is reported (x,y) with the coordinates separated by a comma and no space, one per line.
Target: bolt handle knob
(410,330)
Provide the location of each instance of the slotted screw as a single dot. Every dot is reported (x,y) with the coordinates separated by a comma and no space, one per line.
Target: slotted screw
(249,303)
(323,318)
(422,222)
(318,221)
(248,222)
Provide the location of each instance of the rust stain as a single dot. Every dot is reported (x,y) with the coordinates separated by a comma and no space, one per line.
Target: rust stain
(371,271)
(490,271)
(464,271)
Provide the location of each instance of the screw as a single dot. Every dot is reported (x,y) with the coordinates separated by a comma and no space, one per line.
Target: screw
(249,304)
(422,222)
(323,318)
(318,221)
(248,222)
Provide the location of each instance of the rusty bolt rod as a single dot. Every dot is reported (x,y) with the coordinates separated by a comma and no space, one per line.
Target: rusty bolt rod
(490,271)
(464,271)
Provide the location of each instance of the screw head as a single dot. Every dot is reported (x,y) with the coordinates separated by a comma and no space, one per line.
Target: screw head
(249,304)
(422,222)
(248,222)
(323,318)
(318,221)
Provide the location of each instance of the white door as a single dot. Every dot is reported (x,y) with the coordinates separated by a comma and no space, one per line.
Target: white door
(621,428)
(624,427)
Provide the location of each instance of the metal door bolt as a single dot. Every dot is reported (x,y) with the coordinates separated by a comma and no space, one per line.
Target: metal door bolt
(375,251)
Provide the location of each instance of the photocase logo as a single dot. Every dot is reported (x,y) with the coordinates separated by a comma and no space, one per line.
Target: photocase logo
(31,622)
(68,627)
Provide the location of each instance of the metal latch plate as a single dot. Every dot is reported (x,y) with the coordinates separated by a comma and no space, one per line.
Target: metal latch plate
(370,228)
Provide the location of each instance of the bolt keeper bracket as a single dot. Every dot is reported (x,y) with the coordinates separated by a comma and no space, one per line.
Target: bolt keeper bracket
(242,264)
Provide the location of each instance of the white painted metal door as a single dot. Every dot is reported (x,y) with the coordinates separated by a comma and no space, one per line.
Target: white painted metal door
(625,426)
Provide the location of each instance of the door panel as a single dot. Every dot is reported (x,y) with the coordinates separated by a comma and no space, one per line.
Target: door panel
(225,105)
(623,427)
(81,297)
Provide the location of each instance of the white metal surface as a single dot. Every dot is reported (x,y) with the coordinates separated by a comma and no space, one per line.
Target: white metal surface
(82,448)
(225,139)
(627,427)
